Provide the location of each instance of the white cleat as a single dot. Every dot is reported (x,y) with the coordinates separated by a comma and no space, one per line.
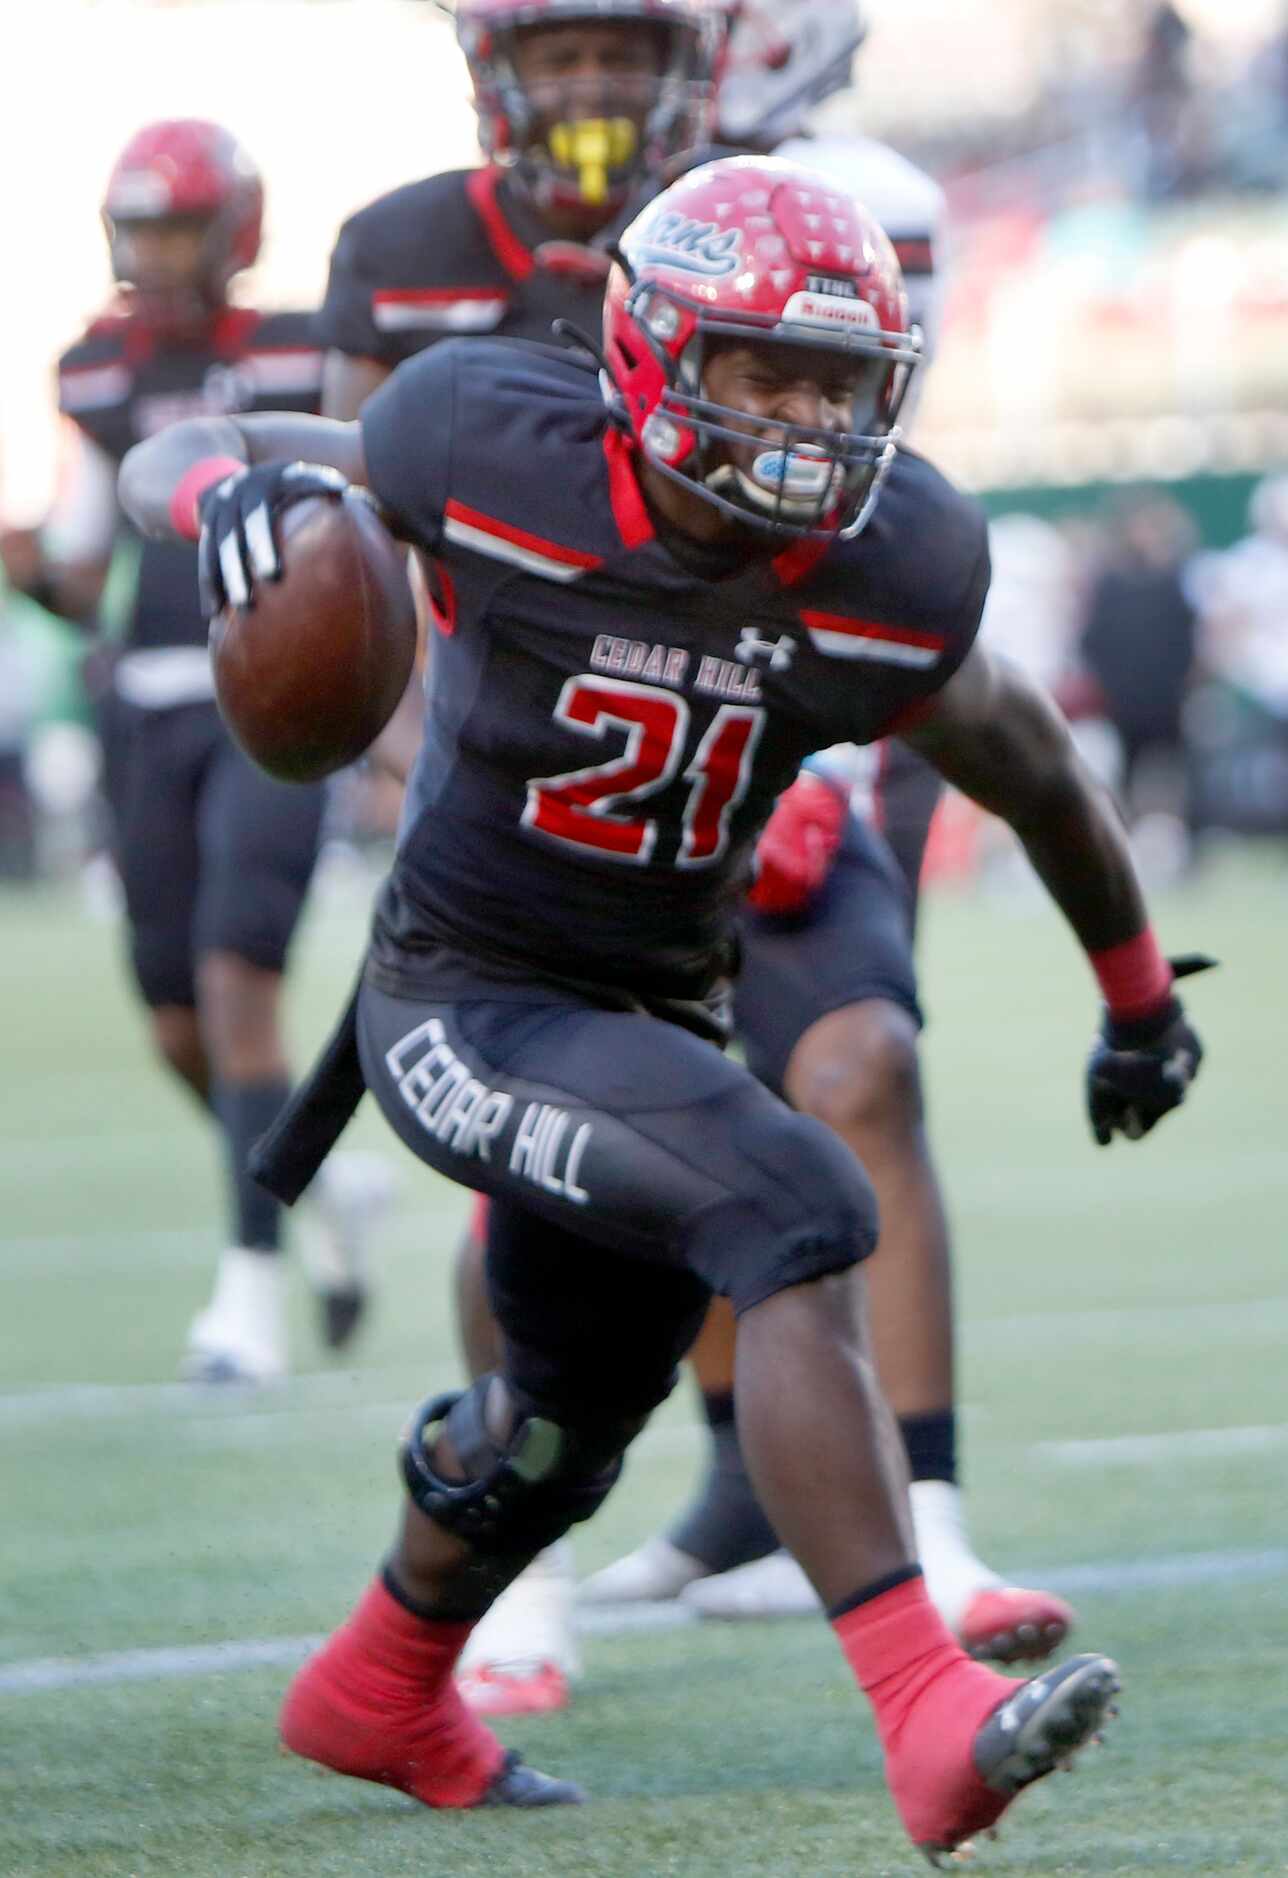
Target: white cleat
(654,1573)
(352,1193)
(769,1587)
(240,1336)
(520,1659)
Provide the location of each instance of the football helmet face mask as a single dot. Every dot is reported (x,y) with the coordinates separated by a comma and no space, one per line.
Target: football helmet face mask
(784,57)
(754,253)
(572,144)
(183,173)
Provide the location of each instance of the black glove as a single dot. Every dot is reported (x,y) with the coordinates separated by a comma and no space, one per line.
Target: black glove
(1139,1070)
(239,544)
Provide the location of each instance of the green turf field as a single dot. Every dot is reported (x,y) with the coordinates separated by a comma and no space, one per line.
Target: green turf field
(1141,1293)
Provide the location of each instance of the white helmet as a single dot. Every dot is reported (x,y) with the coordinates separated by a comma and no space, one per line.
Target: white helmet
(785,56)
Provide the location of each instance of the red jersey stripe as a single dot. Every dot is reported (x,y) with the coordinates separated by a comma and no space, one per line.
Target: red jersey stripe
(434,296)
(481,187)
(520,538)
(872,629)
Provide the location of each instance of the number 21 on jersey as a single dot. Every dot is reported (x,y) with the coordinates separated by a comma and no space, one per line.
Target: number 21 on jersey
(592,808)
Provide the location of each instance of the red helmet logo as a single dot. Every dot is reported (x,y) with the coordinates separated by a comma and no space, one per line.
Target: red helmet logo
(752,250)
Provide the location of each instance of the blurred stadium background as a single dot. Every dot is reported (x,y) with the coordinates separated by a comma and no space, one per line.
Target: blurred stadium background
(1113,380)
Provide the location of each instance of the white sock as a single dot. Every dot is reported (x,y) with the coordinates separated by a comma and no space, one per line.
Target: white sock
(245,1320)
(531,1621)
(953,1571)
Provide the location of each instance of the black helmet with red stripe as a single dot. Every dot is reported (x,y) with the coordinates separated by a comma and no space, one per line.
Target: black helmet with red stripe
(183,173)
(585,141)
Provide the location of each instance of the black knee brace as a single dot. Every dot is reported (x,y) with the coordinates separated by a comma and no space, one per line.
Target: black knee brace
(516,1498)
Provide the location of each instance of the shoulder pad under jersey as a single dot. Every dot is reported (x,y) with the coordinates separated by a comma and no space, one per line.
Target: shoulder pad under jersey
(496,446)
(96,380)
(414,266)
(909,591)
(282,362)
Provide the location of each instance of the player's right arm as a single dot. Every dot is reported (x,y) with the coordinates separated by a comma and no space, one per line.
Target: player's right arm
(163,479)
(227,479)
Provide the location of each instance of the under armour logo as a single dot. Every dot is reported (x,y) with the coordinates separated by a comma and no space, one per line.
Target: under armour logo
(777,653)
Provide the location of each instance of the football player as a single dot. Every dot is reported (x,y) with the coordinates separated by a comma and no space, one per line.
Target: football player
(582,107)
(541,1007)
(826,1003)
(214,857)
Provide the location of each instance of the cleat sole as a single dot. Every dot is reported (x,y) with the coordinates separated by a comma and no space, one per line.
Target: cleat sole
(1046,1723)
(519,1785)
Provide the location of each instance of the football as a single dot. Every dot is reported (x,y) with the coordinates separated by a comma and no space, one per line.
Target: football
(309,675)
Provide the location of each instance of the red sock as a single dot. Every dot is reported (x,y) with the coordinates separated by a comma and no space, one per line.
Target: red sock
(929,1700)
(378,1702)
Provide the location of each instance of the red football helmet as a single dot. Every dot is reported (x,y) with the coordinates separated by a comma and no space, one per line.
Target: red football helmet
(185,170)
(753,249)
(591,159)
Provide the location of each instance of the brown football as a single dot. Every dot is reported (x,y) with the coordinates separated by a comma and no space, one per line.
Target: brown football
(309,676)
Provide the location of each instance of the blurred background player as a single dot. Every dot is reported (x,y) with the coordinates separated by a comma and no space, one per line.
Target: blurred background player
(214,857)
(826,1001)
(584,106)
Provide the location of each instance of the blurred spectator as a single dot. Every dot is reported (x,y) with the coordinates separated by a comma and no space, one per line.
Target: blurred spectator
(19,696)
(1238,722)
(1169,110)
(1242,596)
(1138,642)
(1031,612)
(1257,134)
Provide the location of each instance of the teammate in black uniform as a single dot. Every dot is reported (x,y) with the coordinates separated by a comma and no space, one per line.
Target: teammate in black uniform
(654,604)
(583,105)
(215,857)
(827,1000)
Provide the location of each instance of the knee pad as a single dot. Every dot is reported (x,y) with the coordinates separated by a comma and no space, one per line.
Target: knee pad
(516,1497)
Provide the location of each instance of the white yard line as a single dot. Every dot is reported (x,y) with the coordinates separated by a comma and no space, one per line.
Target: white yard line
(1256,1319)
(1186,1444)
(224,1417)
(43,1674)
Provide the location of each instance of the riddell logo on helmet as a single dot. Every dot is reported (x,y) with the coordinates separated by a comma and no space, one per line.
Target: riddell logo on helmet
(674,240)
(831,309)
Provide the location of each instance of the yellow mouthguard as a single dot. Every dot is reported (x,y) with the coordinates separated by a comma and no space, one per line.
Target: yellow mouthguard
(593,146)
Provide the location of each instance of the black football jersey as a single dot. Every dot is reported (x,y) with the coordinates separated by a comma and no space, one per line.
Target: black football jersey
(122,383)
(454,255)
(602,716)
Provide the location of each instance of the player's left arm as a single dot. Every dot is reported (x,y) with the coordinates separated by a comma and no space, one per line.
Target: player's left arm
(997,736)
